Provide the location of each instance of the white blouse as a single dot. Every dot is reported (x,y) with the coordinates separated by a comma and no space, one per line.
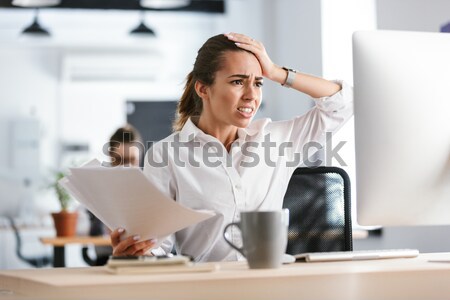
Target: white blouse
(195,169)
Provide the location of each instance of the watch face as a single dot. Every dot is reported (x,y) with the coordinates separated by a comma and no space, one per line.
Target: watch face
(289,70)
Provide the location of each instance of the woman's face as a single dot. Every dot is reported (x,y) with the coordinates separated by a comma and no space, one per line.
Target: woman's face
(235,95)
(126,154)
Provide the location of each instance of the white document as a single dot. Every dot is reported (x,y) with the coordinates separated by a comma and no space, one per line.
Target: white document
(124,197)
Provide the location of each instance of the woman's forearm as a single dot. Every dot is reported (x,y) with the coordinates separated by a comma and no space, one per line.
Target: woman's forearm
(313,86)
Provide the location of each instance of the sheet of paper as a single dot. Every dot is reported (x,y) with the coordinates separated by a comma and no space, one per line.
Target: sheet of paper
(124,197)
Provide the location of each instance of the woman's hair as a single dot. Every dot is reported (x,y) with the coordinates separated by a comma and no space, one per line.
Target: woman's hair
(126,134)
(210,59)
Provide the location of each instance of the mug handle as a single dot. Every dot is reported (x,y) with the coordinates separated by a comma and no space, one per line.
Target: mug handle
(240,250)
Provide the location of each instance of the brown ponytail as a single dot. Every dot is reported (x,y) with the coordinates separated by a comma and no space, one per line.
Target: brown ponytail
(189,105)
(209,60)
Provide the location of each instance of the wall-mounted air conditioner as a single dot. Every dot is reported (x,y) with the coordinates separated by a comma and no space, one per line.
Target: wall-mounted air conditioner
(117,67)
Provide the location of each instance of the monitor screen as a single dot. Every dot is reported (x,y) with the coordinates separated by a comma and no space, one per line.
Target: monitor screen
(402,127)
(153,120)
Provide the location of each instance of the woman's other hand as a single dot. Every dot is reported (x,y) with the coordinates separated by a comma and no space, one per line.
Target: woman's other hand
(130,245)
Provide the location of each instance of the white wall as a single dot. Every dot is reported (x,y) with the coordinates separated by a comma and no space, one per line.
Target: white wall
(296,40)
(339,20)
(414,15)
(32,74)
(26,93)
(31,93)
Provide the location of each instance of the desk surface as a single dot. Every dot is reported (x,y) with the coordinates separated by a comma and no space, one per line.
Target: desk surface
(84,240)
(412,278)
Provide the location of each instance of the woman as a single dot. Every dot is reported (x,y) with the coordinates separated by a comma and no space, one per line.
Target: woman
(218,159)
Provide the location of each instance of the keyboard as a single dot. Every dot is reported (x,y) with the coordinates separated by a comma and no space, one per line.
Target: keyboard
(356,255)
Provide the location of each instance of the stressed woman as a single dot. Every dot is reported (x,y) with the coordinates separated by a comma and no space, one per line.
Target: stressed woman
(219,159)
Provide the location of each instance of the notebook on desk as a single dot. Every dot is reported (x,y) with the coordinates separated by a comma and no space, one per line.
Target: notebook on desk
(356,255)
(156,264)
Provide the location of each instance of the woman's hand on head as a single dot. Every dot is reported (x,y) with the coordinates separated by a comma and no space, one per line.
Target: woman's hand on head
(257,48)
(130,245)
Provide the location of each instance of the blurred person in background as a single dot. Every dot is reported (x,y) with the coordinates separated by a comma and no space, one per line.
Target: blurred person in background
(124,149)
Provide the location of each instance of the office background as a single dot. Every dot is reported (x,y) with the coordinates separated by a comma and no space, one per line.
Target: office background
(61,97)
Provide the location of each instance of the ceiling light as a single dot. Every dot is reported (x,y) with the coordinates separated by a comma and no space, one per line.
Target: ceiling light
(35,28)
(142,29)
(164,4)
(35,3)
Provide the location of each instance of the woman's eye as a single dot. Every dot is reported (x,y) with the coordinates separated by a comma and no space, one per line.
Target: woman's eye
(238,82)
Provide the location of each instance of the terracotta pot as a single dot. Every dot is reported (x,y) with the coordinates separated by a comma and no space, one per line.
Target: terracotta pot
(65,223)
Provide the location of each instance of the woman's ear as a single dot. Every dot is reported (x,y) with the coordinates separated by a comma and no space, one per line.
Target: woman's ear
(201,89)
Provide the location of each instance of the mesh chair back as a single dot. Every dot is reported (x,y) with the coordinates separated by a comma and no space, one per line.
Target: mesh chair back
(35,261)
(319,208)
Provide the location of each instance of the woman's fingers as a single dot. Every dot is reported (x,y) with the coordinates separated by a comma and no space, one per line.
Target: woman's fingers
(122,247)
(241,38)
(141,248)
(143,251)
(257,48)
(115,236)
(130,245)
(246,42)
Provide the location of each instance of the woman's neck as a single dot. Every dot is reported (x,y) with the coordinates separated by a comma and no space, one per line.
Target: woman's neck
(225,134)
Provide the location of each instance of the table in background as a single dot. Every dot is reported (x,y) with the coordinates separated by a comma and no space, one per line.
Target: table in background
(59,244)
(404,278)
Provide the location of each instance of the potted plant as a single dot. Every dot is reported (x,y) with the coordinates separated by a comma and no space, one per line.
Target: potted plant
(65,221)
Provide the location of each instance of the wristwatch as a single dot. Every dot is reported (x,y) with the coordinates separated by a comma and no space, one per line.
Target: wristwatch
(290,77)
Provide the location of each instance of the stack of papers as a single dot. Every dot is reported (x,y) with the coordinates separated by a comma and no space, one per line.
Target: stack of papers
(156,264)
(124,197)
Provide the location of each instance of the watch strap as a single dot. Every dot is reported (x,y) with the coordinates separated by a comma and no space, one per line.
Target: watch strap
(290,77)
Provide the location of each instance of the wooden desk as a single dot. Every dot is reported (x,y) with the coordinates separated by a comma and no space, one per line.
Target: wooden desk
(59,244)
(410,279)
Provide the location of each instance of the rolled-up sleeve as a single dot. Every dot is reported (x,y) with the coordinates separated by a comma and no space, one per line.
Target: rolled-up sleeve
(328,115)
(337,109)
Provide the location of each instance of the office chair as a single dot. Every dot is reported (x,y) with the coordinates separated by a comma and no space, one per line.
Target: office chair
(102,252)
(37,261)
(318,200)
(101,260)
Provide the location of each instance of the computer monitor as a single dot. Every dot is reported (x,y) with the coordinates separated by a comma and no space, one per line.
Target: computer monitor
(402,127)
